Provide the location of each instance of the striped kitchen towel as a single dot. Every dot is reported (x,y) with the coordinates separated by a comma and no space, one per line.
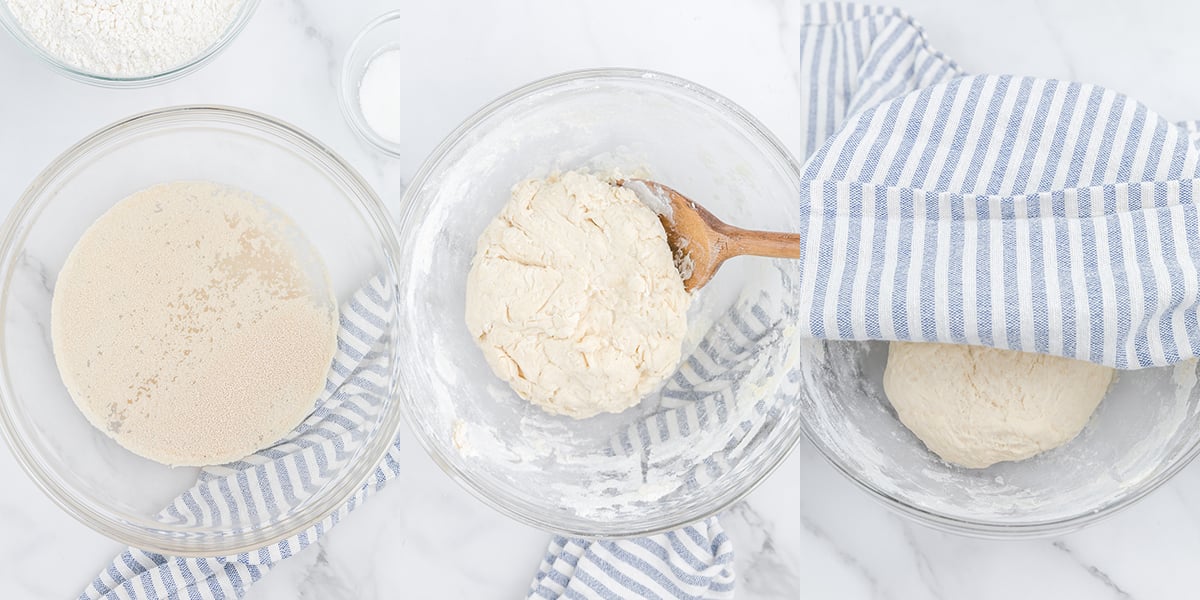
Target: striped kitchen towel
(704,395)
(1013,212)
(693,562)
(272,479)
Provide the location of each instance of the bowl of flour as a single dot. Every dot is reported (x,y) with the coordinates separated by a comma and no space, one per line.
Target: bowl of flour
(125,43)
(172,288)
(617,406)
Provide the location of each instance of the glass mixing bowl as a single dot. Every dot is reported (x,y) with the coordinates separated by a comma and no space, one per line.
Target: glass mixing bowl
(728,415)
(13,26)
(84,471)
(1145,430)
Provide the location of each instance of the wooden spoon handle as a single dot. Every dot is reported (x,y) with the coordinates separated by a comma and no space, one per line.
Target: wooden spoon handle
(761,243)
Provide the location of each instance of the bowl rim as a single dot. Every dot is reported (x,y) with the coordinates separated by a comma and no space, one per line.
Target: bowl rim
(10,23)
(405,220)
(994,529)
(168,541)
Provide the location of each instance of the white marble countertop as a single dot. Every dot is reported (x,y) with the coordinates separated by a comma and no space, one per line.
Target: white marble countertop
(806,531)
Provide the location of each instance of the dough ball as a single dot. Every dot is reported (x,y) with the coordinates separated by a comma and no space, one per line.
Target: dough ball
(574,298)
(976,406)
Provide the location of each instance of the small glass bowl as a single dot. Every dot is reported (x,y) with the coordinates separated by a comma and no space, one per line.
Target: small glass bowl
(85,472)
(10,23)
(379,36)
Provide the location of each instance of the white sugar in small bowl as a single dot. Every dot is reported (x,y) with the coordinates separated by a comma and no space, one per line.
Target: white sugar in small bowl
(377,39)
(10,23)
(85,472)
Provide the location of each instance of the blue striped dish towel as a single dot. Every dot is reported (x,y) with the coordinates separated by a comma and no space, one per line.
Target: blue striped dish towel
(696,561)
(264,481)
(693,562)
(1014,212)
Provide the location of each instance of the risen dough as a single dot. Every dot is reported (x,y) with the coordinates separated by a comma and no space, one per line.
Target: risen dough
(574,298)
(976,406)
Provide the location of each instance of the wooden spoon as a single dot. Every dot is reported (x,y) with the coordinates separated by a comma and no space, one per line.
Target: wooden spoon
(701,242)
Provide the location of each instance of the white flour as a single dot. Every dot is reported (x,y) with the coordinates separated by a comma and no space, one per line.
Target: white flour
(125,38)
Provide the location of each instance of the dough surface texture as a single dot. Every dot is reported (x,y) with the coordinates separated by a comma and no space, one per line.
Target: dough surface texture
(574,298)
(976,406)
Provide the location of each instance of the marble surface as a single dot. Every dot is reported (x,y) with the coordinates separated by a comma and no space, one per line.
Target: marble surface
(806,531)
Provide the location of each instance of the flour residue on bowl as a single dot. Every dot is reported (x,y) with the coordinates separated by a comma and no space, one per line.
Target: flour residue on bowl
(709,416)
(706,418)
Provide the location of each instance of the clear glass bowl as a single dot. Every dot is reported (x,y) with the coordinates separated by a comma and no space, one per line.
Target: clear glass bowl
(84,471)
(10,23)
(1146,429)
(724,420)
(380,35)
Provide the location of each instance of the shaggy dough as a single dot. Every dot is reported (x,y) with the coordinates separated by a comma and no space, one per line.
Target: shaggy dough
(976,406)
(574,297)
